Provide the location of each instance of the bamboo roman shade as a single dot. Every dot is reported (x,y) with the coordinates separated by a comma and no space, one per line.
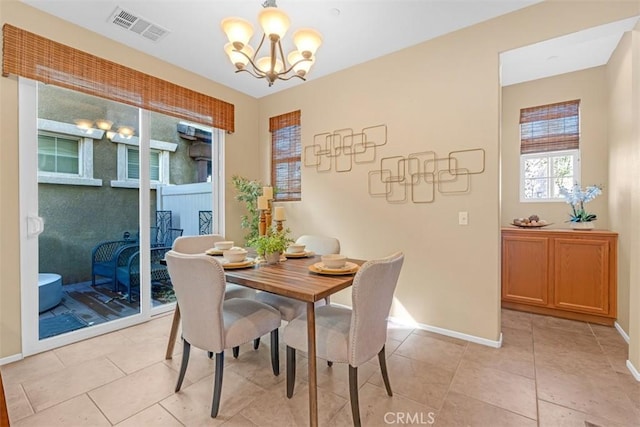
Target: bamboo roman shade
(551,127)
(286,156)
(29,55)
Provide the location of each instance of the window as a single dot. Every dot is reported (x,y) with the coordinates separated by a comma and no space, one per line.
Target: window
(286,154)
(65,154)
(133,164)
(129,162)
(58,154)
(549,150)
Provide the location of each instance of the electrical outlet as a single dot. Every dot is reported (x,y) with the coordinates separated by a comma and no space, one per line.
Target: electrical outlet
(463,218)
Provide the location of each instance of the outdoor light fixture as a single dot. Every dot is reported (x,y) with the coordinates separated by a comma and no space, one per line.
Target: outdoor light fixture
(275,24)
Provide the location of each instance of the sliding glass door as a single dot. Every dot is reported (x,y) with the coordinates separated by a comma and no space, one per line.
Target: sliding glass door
(96,180)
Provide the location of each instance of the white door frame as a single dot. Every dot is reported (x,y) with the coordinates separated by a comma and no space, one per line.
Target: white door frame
(31,225)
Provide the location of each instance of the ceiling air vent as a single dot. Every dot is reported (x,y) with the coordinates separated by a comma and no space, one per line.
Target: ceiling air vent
(134,23)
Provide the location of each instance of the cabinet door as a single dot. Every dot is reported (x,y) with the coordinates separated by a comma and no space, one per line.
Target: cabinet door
(581,279)
(525,269)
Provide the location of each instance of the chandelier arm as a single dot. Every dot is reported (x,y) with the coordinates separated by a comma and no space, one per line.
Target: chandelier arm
(253,64)
(257,76)
(290,77)
(293,65)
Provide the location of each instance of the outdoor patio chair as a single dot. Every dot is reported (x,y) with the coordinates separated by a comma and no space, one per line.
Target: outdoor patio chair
(128,269)
(103,259)
(205,218)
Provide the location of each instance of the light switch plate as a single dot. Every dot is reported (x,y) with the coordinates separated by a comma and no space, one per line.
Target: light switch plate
(463,218)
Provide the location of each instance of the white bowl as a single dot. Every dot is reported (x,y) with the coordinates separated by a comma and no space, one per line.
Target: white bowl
(295,248)
(334,260)
(223,245)
(234,255)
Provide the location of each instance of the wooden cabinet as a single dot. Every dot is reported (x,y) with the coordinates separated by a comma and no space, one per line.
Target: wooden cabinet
(564,273)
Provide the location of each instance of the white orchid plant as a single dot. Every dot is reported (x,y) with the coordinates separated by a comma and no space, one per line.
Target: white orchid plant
(577,197)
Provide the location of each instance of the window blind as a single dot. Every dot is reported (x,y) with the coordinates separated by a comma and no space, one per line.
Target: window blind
(28,55)
(286,155)
(551,127)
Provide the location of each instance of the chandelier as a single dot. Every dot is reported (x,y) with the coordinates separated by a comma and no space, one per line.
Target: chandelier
(273,66)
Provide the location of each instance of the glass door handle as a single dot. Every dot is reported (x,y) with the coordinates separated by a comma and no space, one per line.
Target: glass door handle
(35,226)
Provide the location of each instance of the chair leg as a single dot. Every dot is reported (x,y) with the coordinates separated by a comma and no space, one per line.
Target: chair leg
(385,374)
(291,370)
(210,354)
(275,352)
(236,352)
(329,363)
(353,395)
(256,343)
(217,384)
(186,348)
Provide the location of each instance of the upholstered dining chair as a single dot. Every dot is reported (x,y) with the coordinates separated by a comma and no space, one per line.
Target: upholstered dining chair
(288,307)
(354,335)
(212,323)
(198,245)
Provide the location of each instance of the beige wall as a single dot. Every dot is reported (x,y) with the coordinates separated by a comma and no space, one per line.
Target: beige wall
(622,159)
(441,95)
(590,87)
(239,146)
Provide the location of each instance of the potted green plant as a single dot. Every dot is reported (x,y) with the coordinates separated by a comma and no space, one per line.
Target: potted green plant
(248,192)
(271,245)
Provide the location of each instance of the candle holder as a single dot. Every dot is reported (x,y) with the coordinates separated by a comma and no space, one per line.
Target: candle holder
(262,225)
(279,224)
(267,214)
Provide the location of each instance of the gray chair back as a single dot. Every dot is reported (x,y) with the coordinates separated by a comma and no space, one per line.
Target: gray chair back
(196,244)
(199,284)
(371,298)
(321,245)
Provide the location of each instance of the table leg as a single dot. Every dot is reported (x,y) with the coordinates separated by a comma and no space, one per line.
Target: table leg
(313,378)
(173,333)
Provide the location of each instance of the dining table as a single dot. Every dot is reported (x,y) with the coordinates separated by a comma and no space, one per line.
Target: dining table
(295,279)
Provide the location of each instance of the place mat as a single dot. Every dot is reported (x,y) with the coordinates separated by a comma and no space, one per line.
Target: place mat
(248,262)
(319,268)
(304,254)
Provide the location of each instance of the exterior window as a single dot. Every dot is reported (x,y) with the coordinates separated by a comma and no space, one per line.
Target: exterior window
(58,154)
(129,162)
(286,155)
(549,150)
(65,154)
(133,164)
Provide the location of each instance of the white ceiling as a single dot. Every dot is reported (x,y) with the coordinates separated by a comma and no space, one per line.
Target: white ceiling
(354,31)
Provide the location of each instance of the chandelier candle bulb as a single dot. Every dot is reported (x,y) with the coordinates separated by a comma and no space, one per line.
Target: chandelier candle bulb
(263,203)
(278,213)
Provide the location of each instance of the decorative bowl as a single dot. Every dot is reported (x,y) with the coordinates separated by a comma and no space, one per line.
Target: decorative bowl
(334,261)
(235,255)
(295,248)
(223,245)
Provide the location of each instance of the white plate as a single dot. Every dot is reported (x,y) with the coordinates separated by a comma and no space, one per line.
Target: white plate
(347,266)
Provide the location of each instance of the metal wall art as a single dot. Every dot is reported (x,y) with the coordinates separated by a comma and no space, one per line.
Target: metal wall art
(419,176)
(399,179)
(341,149)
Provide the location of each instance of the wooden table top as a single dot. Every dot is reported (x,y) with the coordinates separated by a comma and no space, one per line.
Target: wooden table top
(291,278)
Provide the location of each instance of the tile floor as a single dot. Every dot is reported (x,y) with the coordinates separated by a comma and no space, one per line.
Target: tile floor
(549,372)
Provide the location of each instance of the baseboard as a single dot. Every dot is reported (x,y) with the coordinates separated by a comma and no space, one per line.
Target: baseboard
(633,370)
(621,332)
(11,359)
(450,333)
